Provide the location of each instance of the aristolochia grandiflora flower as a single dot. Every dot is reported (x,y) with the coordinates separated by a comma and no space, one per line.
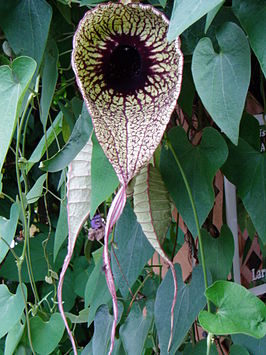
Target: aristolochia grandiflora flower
(130,78)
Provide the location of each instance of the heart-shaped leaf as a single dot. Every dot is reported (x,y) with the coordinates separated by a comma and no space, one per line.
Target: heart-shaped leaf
(246,168)
(14,82)
(11,308)
(219,253)
(136,327)
(200,163)
(238,311)
(103,323)
(252,16)
(186,12)
(133,250)
(8,229)
(222,79)
(190,300)
(46,335)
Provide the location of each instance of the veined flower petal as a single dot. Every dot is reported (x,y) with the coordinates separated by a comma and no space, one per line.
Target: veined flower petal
(130,78)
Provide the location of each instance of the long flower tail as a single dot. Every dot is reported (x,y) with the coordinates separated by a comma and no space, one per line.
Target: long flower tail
(114,213)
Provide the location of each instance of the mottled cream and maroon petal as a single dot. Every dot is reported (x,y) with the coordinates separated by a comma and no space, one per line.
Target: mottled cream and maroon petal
(130,78)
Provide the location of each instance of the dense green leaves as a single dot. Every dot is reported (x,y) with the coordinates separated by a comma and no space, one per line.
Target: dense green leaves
(252,16)
(14,81)
(46,335)
(190,300)
(222,79)
(133,250)
(246,168)
(11,308)
(238,311)
(35,192)
(200,163)
(186,12)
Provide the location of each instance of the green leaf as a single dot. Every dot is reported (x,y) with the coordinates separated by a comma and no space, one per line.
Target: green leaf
(200,164)
(219,253)
(254,346)
(246,168)
(9,268)
(136,327)
(186,12)
(14,81)
(152,206)
(26,25)
(252,16)
(222,79)
(13,338)
(79,137)
(133,250)
(103,177)
(96,292)
(46,335)
(82,271)
(36,191)
(200,348)
(49,79)
(238,350)
(190,300)
(238,311)
(61,231)
(11,308)
(8,229)
(187,93)
(51,134)
(211,14)
(102,328)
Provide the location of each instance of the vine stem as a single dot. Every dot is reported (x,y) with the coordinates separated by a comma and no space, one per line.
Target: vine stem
(169,144)
(25,223)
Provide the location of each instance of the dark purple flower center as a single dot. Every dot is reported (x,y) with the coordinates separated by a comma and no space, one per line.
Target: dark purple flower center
(124,68)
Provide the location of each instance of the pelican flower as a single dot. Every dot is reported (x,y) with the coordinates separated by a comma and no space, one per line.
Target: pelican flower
(130,78)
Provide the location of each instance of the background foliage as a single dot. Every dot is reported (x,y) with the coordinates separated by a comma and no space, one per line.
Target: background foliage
(44,124)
